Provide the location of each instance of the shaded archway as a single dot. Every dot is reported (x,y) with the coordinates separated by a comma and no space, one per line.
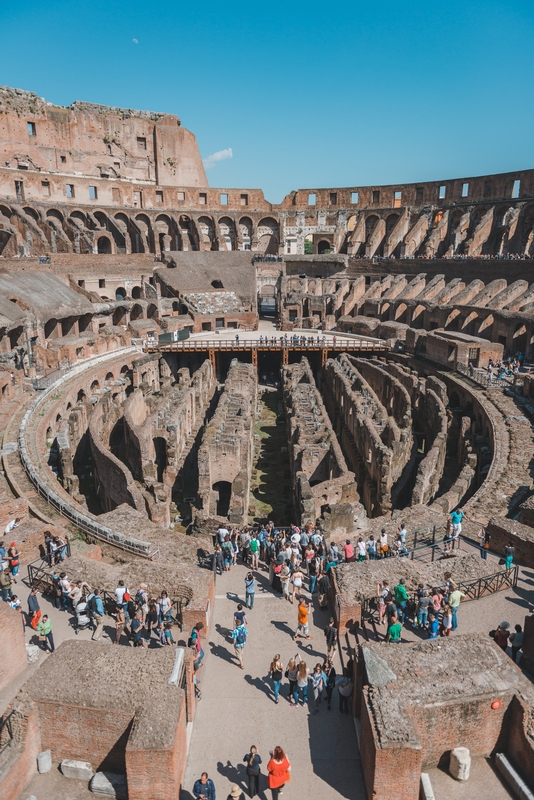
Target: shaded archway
(103,245)
(223,490)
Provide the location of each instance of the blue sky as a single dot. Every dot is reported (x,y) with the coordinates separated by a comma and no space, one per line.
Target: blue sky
(304,95)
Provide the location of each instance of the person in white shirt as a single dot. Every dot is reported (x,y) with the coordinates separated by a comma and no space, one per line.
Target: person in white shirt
(222,533)
(402,533)
(13,524)
(362,550)
(120,591)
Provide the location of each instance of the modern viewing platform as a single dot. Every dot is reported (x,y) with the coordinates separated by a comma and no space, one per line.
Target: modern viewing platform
(251,342)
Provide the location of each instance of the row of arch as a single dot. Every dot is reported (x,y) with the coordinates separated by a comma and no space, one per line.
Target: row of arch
(96,230)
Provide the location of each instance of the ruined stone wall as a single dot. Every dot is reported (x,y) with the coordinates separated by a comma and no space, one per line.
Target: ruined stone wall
(322,484)
(12,635)
(356,407)
(114,482)
(226,453)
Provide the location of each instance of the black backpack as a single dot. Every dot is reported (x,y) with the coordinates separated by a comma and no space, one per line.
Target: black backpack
(91,604)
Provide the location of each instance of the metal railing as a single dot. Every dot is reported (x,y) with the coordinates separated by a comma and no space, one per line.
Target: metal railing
(227,345)
(480,376)
(473,590)
(6,732)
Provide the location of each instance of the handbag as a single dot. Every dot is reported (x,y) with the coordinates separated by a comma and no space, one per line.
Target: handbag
(42,637)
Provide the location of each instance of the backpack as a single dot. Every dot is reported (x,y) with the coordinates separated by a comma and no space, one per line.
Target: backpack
(91,604)
(139,600)
(241,637)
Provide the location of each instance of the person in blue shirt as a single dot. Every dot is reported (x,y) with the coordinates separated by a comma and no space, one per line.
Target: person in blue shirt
(433,626)
(456,518)
(96,611)
(204,788)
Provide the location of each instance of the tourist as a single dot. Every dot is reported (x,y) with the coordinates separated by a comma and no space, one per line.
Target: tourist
(401,598)
(141,601)
(240,616)
(222,533)
(236,793)
(502,634)
(297,580)
(204,788)
(219,560)
(391,609)
(447,537)
(78,591)
(14,523)
(120,622)
(484,537)
(301,685)
(422,610)
(228,553)
(445,627)
(329,671)
(66,588)
(96,609)
(44,629)
(394,630)
(456,519)
(152,617)
(239,637)
(304,609)
(384,548)
(253,761)
(330,633)
(371,548)
(334,553)
(165,607)
(313,568)
(437,600)
(402,533)
(291,674)
(254,552)
(455,598)
(318,681)
(136,628)
(276,671)
(34,610)
(348,550)
(516,641)
(345,687)
(509,551)
(250,590)
(285,577)
(235,547)
(5,585)
(362,550)
(196,644)
(13,556)
(383,594)
(323,588)
(433,626)
(279,772)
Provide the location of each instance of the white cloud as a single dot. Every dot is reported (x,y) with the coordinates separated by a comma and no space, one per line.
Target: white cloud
(221,155)
(135,41)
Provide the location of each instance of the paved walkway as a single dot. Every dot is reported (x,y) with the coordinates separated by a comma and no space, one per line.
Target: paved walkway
(237,707)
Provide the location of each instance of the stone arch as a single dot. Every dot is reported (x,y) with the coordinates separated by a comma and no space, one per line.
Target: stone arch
(103,245)
(136,312)
(119,315)
(152,311)
(31,212)
(163,231)
(268,236)
(451,323)
(206,228)
(486,326)
(95,386)
(324,247)
(137,292)
(469,323)
(228,232)
(370,224)
(417,320)
(50,329)
(120,293)
(246,232)
(527,231)
(54,213)
(401,313)
(110,377)
(519,338)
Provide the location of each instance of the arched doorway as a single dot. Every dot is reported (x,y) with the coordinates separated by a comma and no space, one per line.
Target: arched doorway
(267,301)
(223,490)
(103,245)
(323,247)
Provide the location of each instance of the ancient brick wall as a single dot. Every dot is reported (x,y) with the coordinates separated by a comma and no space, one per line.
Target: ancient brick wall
(158,772)
(12,636)
(390,772)
(85,734)
(517,741)
(18,763)
(503,531)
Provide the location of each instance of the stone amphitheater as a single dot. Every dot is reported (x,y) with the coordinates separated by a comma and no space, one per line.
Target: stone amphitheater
(151,324)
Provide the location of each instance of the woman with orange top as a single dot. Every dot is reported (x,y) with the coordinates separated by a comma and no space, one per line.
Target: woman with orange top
(279,770)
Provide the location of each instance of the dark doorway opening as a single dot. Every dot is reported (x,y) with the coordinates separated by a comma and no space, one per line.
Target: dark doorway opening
(224,489)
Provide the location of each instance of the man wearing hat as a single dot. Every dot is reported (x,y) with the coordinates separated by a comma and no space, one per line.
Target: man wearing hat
(235,793)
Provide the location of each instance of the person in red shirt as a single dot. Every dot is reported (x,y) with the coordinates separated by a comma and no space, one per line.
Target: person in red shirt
(279,770)
(348,550)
